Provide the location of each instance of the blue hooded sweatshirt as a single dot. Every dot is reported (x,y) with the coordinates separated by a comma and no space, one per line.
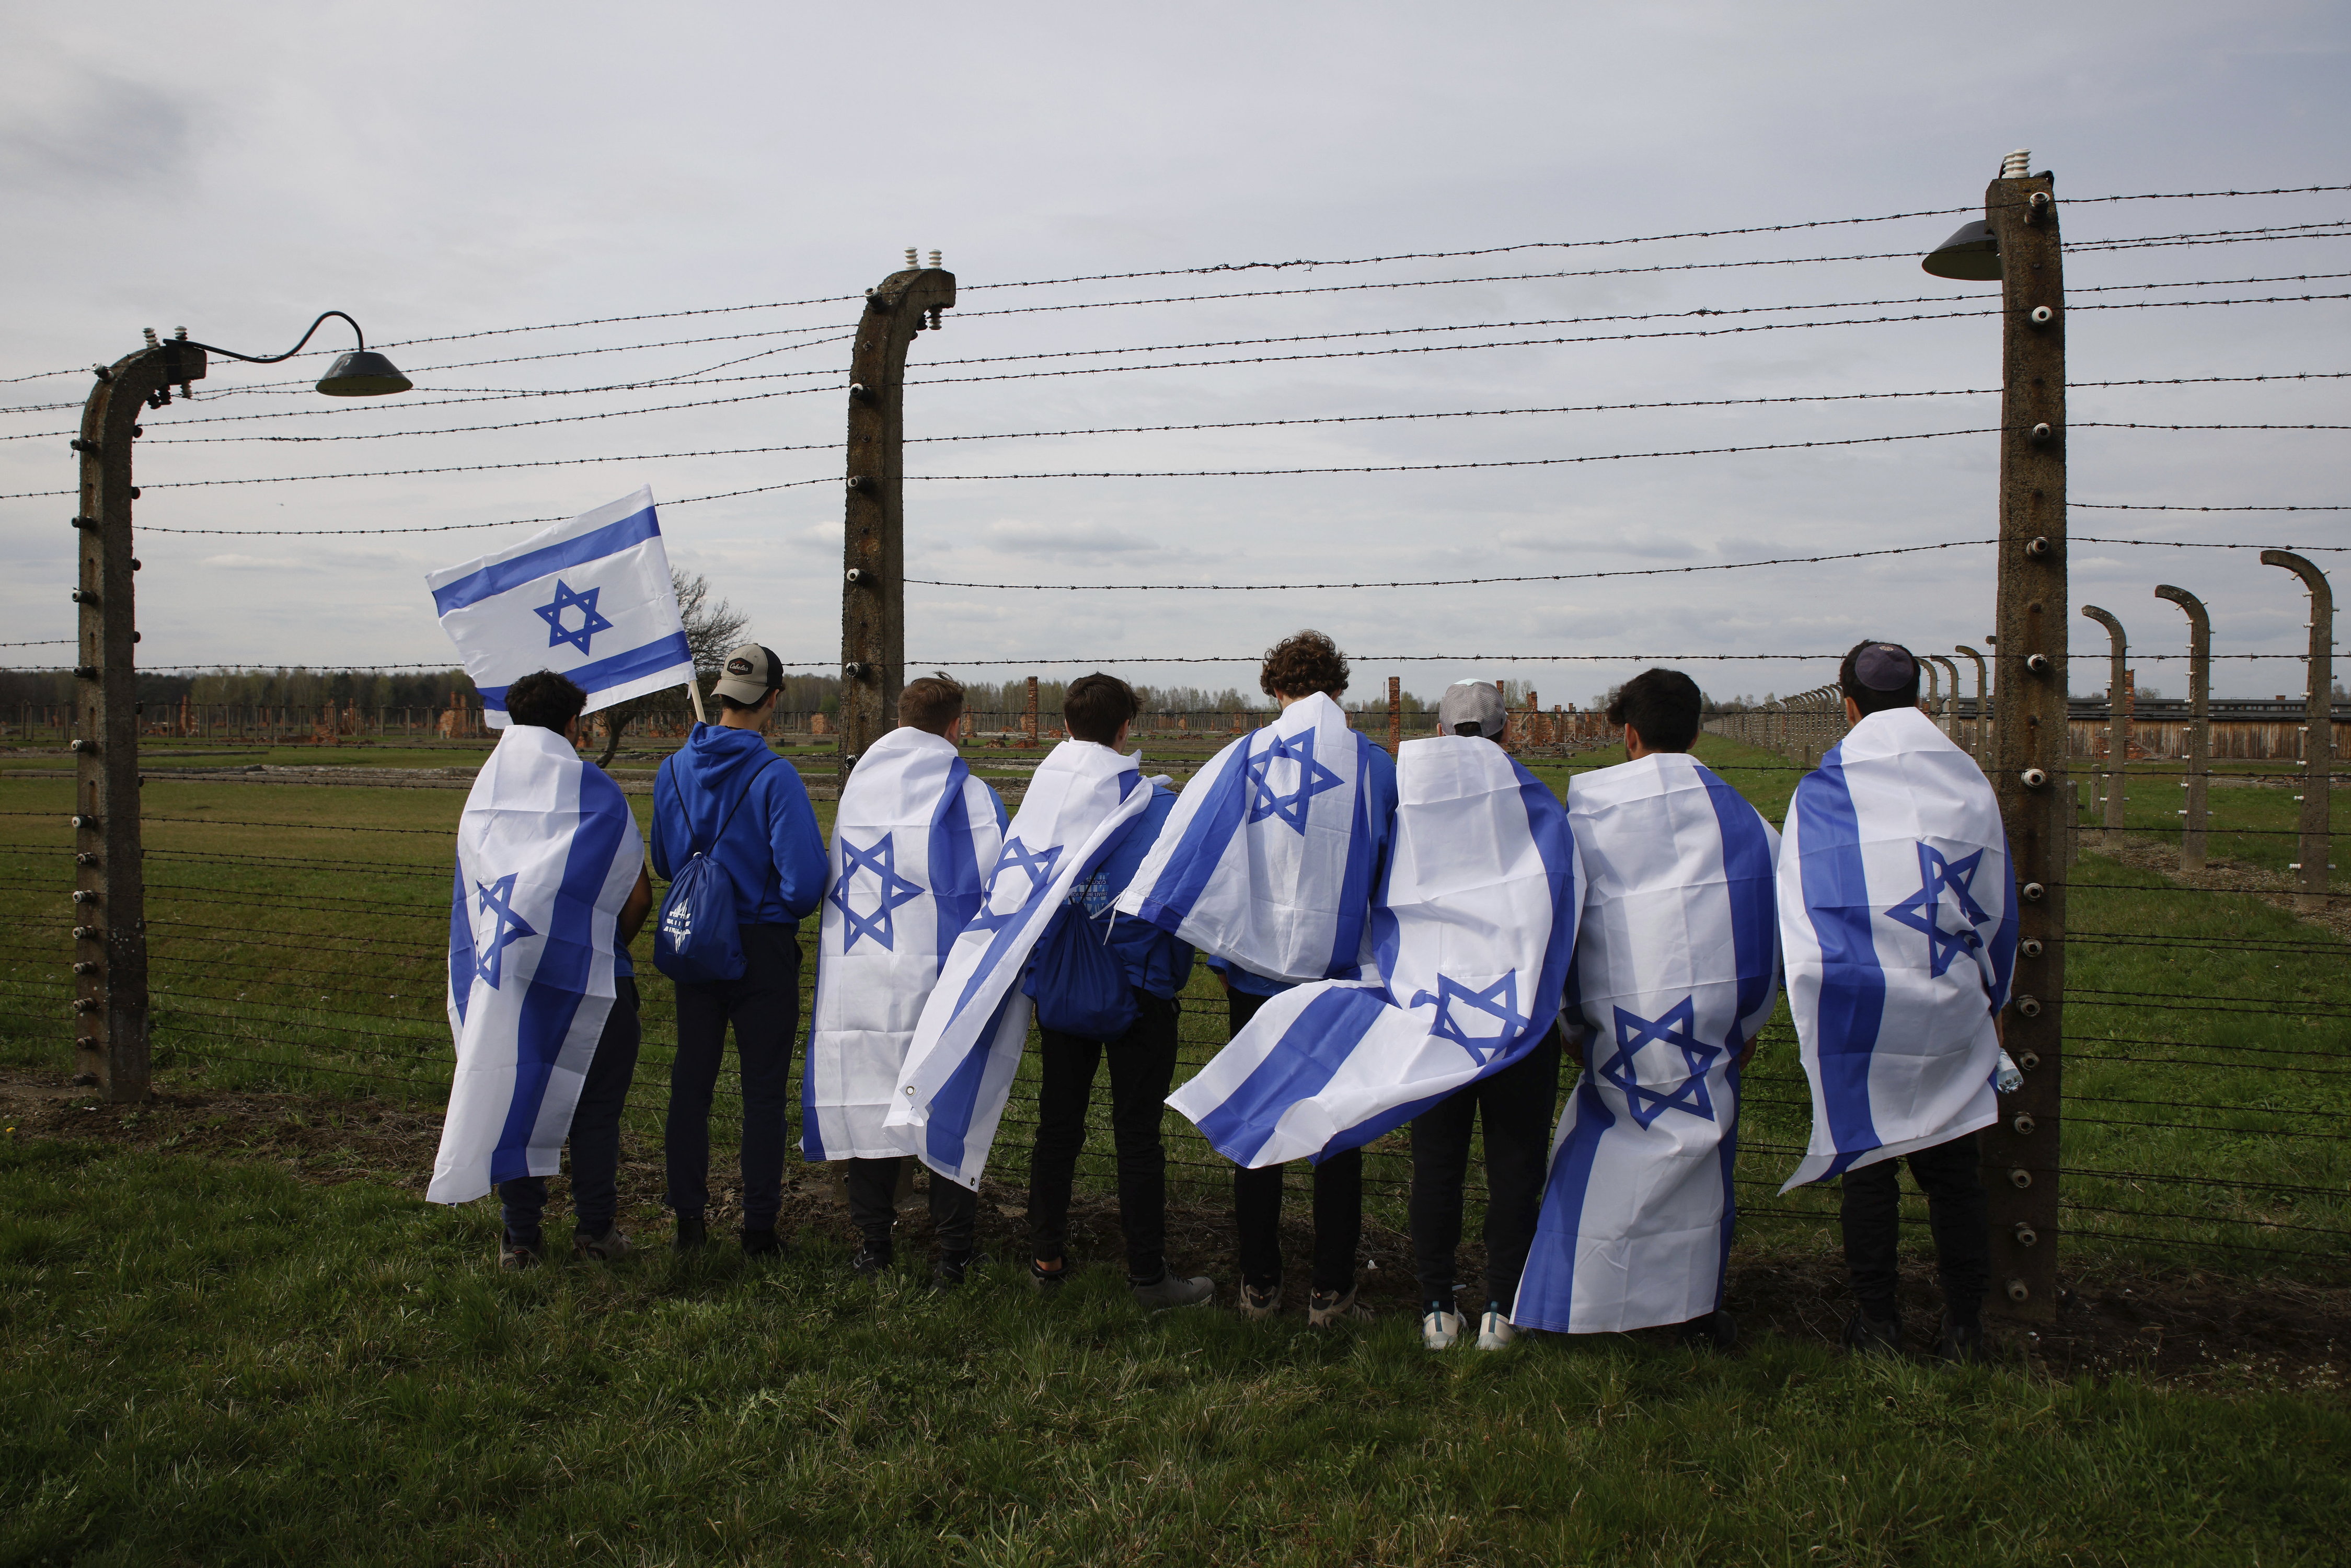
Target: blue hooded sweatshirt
(1155,961)
(772,852)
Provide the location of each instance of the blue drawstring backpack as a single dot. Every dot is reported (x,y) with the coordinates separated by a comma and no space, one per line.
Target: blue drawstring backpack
(697,941)
(1079,985)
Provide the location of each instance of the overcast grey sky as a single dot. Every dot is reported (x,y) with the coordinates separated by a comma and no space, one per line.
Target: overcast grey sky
(440,169)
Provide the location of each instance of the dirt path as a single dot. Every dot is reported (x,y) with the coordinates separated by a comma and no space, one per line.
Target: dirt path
(2182,1327)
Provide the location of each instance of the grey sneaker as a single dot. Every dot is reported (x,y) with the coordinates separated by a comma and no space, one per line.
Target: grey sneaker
(1259,1305)
(1173,1291)
(1438,1328)
(1326,1308)
(608,1247)
(514,1257)
(1494,1331)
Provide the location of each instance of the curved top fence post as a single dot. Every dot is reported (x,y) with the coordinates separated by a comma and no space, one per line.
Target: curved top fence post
(2318,722)
(2200,724)
(1982,748)
(2118,721)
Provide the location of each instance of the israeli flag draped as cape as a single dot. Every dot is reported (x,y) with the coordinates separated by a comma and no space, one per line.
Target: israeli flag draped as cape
(590,599)
(913,843)
(1266,859)
(1898,913)
(547,854)
(1677,968)
(1471,931)
(959,1065)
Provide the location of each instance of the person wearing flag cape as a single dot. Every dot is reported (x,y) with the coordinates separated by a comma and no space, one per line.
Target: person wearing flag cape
(1897,916)
(1472,925)
(551,886)
(1676,969)
(1268,865)
(912,841)
(1102,987)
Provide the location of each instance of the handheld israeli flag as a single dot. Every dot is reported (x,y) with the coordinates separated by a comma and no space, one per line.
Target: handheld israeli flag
(590,599)
(1268,857)
(547,854)
(1897,915)
(913,843)
(1471,931)
(1677,968)
(959,1065)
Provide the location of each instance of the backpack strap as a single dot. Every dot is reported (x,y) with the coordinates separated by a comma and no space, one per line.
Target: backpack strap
(738,806)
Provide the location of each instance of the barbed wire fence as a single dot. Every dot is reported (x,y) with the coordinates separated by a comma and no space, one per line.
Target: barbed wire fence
(283,947)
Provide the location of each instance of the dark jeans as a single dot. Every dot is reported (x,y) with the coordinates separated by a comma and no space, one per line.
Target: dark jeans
(873,1206)
(764,1006)
(595,1135)
(1257,1204)
(1142,1070)
(1957,1213)
(1515,1107)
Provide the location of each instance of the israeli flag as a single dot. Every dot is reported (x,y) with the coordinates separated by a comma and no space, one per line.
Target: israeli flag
(1898,913)
(1471,931)
(547,854)
(1676,969)
(1267,858)
(913,843)
(959,1066)
(590,599)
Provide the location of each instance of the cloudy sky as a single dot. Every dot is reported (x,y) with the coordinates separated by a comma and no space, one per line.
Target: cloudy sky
(742,172)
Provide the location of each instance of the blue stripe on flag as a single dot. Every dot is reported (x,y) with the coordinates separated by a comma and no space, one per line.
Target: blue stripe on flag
(561,976)
(591,678)
(1547,1289)
(594,545)
(1356,890)
(462,964)
(947,1131)
(1754,907)
(812,1135)
(1311,1049)
(1853,983)
(2003,937)
(1214,824)
(958,882)
(1727,1152)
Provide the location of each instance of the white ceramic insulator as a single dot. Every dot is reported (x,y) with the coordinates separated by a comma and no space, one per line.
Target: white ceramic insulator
(935,258)
(2017,165)
(910,258)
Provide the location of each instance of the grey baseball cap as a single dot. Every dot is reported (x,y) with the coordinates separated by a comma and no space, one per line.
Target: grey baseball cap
(749,674)
(1472,701)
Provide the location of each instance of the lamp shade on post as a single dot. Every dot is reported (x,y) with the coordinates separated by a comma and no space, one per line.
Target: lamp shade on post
(363,372)
(1972,255)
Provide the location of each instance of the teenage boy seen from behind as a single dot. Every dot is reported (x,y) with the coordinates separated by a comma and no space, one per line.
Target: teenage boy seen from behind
(1100,708)
(725,795)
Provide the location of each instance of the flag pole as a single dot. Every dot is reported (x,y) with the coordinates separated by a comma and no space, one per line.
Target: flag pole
(694,691)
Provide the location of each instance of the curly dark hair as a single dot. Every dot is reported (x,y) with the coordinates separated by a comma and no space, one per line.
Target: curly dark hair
(1662,706)
(1303,663)
(545,699)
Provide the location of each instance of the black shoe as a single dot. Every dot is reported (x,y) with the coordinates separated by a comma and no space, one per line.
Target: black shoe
(762,1243)
(1864,1335)
(1048,1280)
(870,1260)
(952,1268)
(1718,1330)
(1960,1343)
(693,1235)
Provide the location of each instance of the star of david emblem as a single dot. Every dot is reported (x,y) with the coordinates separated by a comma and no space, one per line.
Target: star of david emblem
(1036,864)
(497,899)
(1923,910)
(1312,779)
(592,619)
(881,857)
(1675,1029)
(1499,1002)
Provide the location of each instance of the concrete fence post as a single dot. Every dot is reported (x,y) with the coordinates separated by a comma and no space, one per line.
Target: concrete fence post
(2118,725)
(2317,761)
(2200,724)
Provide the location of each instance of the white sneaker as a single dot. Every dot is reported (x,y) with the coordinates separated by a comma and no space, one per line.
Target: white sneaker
(1494,1331)
(1439,1330)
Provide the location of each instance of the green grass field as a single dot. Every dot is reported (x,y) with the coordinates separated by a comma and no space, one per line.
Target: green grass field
(207,1357)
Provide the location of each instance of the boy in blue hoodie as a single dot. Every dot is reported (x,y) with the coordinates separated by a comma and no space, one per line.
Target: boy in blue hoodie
(725,795)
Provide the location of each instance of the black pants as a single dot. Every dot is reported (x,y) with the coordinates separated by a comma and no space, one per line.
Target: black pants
(764,1006)
(1957,1212)
(873,1206)
(595,1136)
(1257,1204)
(1142,1070)
(1515,1107)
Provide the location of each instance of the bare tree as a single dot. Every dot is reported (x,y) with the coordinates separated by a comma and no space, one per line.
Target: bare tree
(710,630)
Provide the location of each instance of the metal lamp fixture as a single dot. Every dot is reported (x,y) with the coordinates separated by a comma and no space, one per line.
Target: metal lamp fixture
(1972,255)
(362,373)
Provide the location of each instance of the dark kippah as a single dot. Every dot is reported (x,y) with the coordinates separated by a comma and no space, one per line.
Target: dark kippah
(1882,667)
